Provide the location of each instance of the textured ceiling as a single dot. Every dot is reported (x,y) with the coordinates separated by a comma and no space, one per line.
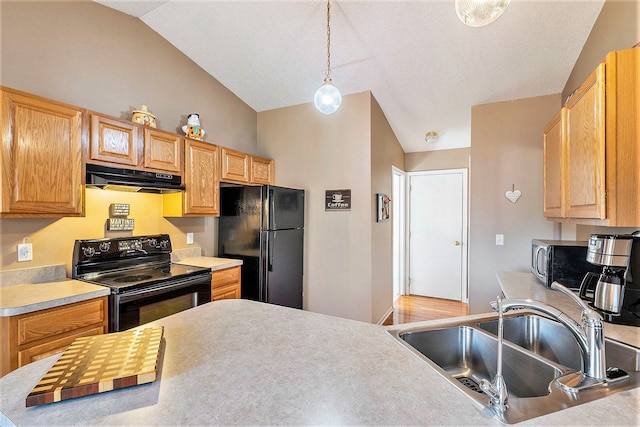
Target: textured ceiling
(425,68)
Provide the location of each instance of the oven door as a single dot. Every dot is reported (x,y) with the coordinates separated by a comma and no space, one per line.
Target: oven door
(137,307)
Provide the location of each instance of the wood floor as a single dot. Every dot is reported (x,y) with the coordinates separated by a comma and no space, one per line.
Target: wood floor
(412,308)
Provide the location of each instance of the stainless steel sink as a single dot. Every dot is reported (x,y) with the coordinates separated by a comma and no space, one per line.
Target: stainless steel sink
(542,336)
(536,352)
(469,355)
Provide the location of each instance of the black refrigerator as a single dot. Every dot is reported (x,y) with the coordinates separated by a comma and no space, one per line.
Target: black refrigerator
(264,227)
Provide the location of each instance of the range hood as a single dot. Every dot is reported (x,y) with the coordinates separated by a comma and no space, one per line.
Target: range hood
(130,180)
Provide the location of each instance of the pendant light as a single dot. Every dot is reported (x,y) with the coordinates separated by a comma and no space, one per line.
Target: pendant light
(328,98)
(477,13)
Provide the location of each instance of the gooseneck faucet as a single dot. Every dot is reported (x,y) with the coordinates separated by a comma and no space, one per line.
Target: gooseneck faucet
(497,390)
(589,334)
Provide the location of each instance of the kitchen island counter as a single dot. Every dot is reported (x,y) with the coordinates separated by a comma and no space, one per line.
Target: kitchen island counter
(245,362)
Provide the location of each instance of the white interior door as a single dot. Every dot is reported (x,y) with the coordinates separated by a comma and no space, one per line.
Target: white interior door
(437,234)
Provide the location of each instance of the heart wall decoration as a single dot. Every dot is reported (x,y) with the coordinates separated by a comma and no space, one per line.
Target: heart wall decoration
(513,195)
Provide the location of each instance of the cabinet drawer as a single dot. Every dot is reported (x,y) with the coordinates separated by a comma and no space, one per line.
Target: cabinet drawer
(226,292)
(50,322)
(41,351)
(225,277)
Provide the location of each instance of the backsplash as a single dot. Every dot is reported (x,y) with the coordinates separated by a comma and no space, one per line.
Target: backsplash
(47,273)
(180,254)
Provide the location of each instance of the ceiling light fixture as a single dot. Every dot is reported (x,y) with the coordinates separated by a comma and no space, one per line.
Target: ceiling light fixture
(477,13)
(431,137)
(328,97)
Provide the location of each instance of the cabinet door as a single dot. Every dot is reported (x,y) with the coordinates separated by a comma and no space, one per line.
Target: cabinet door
(162,151)
(225,284)
(41,157)
(114,141)
(201,178)
(46,349)
(585,162)
(554,154)
(262,171)
(235,165)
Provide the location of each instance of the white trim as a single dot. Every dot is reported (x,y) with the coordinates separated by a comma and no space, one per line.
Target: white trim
(388,313)
(400,201)
(465,222)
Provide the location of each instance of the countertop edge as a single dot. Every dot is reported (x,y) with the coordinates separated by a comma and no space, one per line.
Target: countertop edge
(214,263)
(85,292)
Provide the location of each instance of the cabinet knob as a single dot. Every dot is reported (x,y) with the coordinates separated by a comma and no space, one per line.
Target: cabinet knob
(458,243)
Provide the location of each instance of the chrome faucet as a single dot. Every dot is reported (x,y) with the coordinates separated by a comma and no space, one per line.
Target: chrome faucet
(497,390)
(589,334)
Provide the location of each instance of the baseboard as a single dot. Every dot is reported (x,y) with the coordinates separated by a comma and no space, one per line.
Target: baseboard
(385,316)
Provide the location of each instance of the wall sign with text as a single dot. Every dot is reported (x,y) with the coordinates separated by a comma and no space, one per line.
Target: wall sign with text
(337,200)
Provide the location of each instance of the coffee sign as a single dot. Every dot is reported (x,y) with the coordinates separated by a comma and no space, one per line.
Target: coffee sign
(337,200)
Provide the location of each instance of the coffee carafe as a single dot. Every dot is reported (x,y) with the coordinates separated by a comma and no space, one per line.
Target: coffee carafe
(615,292)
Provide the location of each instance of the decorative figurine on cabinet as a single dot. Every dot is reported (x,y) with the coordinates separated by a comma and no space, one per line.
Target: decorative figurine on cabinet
(144,116)
(192,129)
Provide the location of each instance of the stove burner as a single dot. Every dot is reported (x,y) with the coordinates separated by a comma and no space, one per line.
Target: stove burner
(134,278)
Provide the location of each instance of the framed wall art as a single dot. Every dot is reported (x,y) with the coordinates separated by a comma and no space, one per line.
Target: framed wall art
(383,207)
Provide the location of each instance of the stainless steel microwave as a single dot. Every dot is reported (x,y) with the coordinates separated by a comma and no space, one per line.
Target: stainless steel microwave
(564,261)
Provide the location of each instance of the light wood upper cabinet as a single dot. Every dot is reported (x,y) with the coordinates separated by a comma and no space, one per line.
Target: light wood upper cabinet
(41,157)
(162,150)
(262,170)
(235,165)
(202,183)
(600,158)
(585,155)
(114,141)
(554,155)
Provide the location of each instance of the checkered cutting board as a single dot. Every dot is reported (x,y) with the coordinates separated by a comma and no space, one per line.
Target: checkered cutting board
(101,363)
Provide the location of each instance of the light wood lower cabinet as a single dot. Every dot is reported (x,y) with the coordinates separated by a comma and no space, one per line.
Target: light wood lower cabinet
(226,284)
(32,336)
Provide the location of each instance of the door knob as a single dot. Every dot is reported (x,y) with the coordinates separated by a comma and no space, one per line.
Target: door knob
(458,243)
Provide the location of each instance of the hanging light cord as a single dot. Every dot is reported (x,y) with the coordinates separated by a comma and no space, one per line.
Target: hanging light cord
(328,73)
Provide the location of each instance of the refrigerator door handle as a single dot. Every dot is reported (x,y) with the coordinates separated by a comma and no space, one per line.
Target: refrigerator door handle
(270,251)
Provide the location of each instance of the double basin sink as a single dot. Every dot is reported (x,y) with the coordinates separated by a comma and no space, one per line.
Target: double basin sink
(536,351)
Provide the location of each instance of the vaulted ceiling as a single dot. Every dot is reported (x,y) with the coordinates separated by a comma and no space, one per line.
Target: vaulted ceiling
(425,68)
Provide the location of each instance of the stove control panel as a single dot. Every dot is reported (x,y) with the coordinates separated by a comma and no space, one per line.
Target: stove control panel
(98,250)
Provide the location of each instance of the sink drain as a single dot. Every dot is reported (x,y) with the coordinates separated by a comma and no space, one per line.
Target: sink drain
(470,384)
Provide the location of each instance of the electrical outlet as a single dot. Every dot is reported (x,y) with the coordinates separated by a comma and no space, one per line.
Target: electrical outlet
(25,252)
(189,238)
(499,239)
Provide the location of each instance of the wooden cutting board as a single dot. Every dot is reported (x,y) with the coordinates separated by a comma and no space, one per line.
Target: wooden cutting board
(101,363)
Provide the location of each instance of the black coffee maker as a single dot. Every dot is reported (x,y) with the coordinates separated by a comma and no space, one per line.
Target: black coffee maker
(615,292)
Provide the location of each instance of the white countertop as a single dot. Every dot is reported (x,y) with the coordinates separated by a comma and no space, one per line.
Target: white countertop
(210,262)
(20,299)
(249,363)
(525,285)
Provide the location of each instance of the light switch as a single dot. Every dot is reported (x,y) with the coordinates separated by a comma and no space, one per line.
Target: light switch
(189,238)
(499,239)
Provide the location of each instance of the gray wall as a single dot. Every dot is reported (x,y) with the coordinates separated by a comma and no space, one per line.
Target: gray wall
(506,151)
(86,54)
(385,153)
